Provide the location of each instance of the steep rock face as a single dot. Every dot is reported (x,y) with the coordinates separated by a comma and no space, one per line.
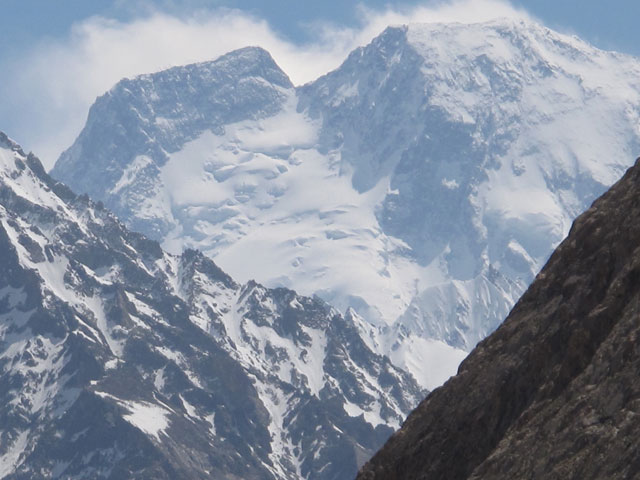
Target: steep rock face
(118,360)
(422,184)
(553,393)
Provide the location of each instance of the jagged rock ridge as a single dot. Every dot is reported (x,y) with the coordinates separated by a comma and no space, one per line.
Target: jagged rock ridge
(553,393)
(423,183)
(118,360)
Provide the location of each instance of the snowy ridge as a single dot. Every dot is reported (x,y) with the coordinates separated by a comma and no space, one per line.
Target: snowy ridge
(298,351)
(109,347)
(423,183)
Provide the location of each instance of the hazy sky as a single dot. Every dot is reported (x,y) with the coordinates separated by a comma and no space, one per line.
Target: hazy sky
(57,56)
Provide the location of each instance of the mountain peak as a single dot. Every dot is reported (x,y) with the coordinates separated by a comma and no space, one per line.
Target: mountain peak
(6,142)
(242,63)
(160,112)
(518,40)
(251,54)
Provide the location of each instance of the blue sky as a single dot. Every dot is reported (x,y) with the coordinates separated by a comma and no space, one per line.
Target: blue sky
(57,56)
(609,25)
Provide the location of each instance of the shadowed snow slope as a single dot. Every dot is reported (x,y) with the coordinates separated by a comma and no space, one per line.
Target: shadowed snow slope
(422,184)
(118,360)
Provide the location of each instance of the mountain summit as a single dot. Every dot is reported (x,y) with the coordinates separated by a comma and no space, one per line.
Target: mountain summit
(156,116)
(553,393)
(118,360)
(421,185)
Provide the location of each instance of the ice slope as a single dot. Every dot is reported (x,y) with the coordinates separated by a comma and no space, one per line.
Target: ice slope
(118,360)
(422,184)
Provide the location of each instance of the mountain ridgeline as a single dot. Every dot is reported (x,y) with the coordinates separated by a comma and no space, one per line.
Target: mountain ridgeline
(418,189)
(554,392)
(422,184)
(118,360)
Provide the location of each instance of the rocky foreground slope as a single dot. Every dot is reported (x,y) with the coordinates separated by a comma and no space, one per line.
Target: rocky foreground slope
(423,183)
(554,392)
(118,360)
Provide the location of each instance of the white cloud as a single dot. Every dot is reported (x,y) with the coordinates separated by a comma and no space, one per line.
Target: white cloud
(49,93)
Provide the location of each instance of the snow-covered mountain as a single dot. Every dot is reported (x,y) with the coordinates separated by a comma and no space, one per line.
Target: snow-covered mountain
(118,360)
(422,184)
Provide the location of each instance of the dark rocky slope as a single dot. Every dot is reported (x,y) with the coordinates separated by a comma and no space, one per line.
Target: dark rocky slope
(120,361)
(554,392)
